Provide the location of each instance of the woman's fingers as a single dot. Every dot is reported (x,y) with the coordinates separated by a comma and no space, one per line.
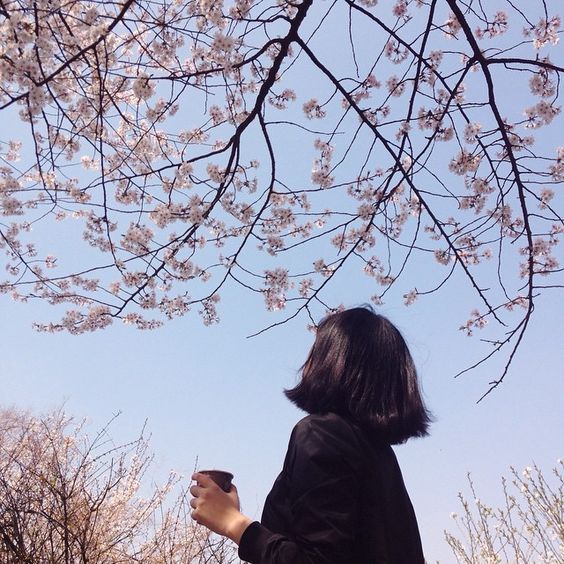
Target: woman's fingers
(203,480)
(213,507)
(196,490)
(217,510)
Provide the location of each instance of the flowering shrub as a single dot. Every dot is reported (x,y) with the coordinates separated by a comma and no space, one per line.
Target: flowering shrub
(528,528)
(165,149)
(67,498)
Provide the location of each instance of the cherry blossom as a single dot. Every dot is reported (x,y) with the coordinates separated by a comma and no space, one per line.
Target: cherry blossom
(544,32)
(66,495)
(276,282)
(410,297)
(312,109)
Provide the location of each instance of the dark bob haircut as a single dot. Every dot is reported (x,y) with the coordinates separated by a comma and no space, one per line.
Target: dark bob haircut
(360,367)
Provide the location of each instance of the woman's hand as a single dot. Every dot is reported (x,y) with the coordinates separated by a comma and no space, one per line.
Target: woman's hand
(217,510)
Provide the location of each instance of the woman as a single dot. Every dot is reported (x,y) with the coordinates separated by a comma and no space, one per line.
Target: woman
(340,497)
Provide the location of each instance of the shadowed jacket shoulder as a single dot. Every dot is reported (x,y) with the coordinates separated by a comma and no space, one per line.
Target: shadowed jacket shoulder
(340,498)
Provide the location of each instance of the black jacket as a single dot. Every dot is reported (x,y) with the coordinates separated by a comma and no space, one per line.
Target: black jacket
(340,499)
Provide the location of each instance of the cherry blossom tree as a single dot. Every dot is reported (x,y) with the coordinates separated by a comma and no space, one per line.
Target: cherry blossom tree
(160,151)
(67,498)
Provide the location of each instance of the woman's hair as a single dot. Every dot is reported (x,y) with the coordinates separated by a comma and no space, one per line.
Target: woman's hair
(360,367)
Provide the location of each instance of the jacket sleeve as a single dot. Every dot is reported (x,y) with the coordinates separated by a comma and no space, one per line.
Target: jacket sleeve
(323,467)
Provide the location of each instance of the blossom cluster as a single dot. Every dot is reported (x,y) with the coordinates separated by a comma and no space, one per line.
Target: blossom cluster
(86,497)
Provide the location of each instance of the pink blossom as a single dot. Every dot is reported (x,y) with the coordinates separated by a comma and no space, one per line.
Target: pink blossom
(452,26)
(410,297)
(395,51)
(305,287)
(471,132)
(540,83)
(544,32)
(312,109)
(13,153)
(280,101)
(215,173)
(400,9)
(241,9)
(495,27)
(395,87)
(222,42)
(321,171)
(442,257)
(545,196)
(476,321)
(277,283)
(143,87)
(557,169)
(366,211)
(541,114)
(464,162)
(216,114)
(136,239)
(209,311)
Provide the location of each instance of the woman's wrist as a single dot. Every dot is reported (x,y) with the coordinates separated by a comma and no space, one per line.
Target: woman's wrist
(237,527)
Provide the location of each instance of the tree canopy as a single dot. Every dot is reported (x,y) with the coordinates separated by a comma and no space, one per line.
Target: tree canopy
(165,149)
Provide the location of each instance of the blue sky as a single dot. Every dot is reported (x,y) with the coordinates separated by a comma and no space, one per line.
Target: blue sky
(212,394)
